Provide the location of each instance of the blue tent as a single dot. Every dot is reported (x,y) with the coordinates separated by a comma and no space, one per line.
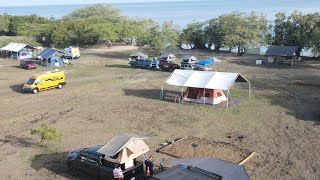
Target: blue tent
(205,62)
(55,61)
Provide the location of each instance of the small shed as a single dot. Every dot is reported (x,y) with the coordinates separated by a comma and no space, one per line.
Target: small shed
(18,50)
(168,56)
(204,169)
(282,51)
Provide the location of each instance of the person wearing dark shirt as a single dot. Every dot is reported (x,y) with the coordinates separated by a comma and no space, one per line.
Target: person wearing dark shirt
(149,165)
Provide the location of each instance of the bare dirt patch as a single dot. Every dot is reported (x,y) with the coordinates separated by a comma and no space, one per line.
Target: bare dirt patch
(183,149)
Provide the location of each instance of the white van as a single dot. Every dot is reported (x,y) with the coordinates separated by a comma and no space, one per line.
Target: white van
(71,52)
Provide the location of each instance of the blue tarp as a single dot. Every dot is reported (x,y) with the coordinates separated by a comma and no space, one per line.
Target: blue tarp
(205,62)
(47,53)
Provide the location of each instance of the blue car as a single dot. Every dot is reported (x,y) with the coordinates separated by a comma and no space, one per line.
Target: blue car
(142,63)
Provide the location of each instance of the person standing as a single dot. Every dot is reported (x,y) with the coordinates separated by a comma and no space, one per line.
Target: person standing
(117,173)
(149,165)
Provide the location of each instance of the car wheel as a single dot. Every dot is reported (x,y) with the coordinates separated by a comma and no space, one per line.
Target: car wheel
(147,67)
(72,171)
(35,91)
(60,86)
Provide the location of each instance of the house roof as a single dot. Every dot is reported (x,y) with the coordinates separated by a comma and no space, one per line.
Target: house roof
(204,79)
(47,53)
(274,50)
(16,47)
(118,143)
(204,168)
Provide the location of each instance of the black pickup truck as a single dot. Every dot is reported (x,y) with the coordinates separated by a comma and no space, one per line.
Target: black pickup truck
(88,161)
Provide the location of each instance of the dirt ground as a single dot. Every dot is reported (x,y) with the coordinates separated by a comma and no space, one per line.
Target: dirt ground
(183,149)
(104,96)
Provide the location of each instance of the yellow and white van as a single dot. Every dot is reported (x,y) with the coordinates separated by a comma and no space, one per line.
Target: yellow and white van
(71,52)
(45,80)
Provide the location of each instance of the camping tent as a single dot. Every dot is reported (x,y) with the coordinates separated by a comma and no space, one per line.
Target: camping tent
(205,169)
(167,56)
(17,48)
(138,55)
(125,146)
(286,51)
(212,84)
(48,58)
(207,62)
(188,59)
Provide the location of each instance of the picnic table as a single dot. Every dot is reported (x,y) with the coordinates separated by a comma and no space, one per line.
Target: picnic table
(172,96)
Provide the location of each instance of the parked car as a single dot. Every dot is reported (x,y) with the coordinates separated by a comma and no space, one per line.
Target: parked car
(187,66)
(26,64)
(88,161)
(142,63)
(71,53)
(45,80)
(168,65)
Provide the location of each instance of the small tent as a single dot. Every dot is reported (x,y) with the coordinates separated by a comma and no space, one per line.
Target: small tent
(125,147)
(204,169)
(138,55)
(189,59)
(168,56)
(48,58)
(18,50)
(205,87)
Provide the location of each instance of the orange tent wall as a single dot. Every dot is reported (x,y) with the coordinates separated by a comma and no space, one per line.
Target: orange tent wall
(195,93)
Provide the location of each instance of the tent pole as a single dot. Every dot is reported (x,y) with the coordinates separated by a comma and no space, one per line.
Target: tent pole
(232,101)
(227,100)
(182,95)
(204,96)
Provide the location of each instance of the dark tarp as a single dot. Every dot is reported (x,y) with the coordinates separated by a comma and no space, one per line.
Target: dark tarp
(204,168)
(274,50)
(47,53)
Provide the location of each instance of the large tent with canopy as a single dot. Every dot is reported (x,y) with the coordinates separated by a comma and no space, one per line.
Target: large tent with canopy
(48,58)
(125,148)
(205,87)
(17,50)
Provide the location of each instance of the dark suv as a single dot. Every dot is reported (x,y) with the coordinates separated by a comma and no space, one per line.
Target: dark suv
(88,161)
(28,64)
(168,65)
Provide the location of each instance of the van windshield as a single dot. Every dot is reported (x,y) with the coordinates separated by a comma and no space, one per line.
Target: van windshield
(30,81)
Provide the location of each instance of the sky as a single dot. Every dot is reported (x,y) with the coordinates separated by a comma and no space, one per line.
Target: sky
(62,2)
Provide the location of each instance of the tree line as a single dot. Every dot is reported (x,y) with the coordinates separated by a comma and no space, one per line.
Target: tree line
(104,24)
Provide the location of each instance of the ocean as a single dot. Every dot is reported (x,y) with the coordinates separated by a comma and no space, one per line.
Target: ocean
(181,13)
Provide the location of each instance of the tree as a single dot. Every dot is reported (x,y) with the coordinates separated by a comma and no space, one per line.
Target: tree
(4,24)
(158,37)
(242,30)
(215,34)
(47,133)
(103,10)
(194,35)
(314,42)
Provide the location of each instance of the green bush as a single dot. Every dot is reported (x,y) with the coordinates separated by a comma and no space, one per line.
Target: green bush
(47,133)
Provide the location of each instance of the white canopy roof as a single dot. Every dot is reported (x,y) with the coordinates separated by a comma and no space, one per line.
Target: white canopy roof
(16,47)
(204,79)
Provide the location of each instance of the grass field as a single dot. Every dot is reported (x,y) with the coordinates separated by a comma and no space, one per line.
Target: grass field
(104,96)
